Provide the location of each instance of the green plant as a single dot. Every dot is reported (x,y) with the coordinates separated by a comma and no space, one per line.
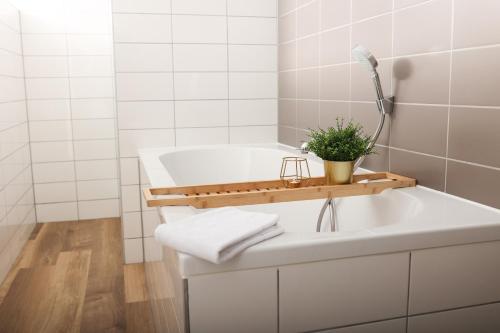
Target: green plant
(340,143)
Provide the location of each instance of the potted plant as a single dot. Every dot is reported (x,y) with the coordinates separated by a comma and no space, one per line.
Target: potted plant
(340,147)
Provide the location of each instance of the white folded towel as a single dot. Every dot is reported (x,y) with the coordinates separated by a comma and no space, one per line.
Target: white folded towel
(219,234)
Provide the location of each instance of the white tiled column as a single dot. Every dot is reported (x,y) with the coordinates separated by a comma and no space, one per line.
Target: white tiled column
(70,89)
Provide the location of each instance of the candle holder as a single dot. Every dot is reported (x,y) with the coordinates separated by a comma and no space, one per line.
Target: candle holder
(294,171)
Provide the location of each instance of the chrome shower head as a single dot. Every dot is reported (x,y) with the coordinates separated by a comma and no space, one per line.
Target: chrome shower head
(364,57)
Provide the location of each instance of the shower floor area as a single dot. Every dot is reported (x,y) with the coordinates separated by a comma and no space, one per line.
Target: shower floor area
(70,278)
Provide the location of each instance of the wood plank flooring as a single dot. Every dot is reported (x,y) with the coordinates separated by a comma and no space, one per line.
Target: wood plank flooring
(70,277)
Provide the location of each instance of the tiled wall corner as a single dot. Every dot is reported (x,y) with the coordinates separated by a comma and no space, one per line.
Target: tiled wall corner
(68,59)
(443,73)
(17,212)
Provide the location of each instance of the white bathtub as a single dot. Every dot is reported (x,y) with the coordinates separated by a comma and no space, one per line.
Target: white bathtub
(394,223)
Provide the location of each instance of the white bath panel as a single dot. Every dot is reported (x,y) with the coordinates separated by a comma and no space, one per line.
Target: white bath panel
(343,292)
(455,276)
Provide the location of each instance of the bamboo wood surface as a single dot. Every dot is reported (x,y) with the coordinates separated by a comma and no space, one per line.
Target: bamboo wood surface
(271,191)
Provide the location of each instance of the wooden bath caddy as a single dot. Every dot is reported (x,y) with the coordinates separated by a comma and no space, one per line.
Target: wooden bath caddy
(271,191)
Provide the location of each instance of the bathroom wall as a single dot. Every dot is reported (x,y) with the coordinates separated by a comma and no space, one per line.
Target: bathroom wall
(189,72)
(68,59)
(441,60)
(17,213)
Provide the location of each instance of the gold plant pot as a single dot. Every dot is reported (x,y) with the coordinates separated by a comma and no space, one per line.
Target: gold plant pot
(337,173)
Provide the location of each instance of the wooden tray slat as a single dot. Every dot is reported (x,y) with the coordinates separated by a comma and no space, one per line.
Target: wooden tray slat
(271,191)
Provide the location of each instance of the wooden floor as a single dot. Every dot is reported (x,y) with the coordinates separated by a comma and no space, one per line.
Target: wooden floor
(70,278)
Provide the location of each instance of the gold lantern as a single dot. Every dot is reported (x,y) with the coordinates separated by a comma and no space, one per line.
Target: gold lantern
(294,171)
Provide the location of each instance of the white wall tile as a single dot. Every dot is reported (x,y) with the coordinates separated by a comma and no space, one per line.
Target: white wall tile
(43,22)
(11,89)
(39,44)
(251,8)
(252,30)
(98,169)
(252,85)
(53,172)
(51,151)
(153,250)
(144,86)
(253,58)
(94,129)
(143,57)
(90,44)
(131,201)
(199,29)
(95,149)
(51,130)
(150,220)
(36,66)
(129,171)
(133,250)
(201,7)
(57,109)
(96,209)
(253,134)
(82,22)
(55,192)
(92,87)
(100,65)
(97,189)
(132,225)
(50,88)
(191,57)
(57,212)
(253,112)
(146,114)
(200,85)
(132,140)
(94,108)
(201,136)
(143,6)
(142,28)
(201,113)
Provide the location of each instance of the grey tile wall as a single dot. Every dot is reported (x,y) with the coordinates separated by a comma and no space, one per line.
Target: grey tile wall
(440,58)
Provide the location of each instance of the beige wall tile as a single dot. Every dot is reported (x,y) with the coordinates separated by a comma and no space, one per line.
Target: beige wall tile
(429,171)
(287,135)
(286,6)
(374,34)
(287,56)
(405,3)
(287,84)
(474,183)
(475,79)
(476,23)
(307,114)
(335,13)
(335,46)
(335,82)
(362,9)
(308,84)
(287,27)
(287,112)
(420,128)
(329,111)
(475,135)
(379,161)
(425,28)
(422,79)
(367,115)
(307,19)
(308,52)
